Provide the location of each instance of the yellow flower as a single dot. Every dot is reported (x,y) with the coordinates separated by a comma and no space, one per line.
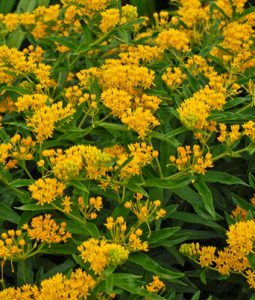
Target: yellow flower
(100,254)
(249,129)
(110,18)
(192,160)
(45,230)
(155,286)
(43,120)
(46,190)
(207,256)
(174,77)
(78,286)
(173,38)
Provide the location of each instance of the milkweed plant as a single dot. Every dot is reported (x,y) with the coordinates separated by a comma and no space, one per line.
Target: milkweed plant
(127,152)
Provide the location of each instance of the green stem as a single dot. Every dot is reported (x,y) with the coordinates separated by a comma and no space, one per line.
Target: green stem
(23,270)
(69,215)
(157,161)
(24,167)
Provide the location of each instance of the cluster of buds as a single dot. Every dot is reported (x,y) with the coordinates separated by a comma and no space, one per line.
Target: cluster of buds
(145,210)
(12,245)
(192,160)
(89,211)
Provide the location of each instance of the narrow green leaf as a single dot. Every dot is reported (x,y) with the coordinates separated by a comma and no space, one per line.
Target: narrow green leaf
(7,6)
(202,276)
(8,214)
(65,41)
(196,296)
(79,185)
(131,284)
(252,180)
(222,177)
(251,258)
(162,234)
(112,126)
(68,248)
(21,182)
(36,207)
(167,183)
(150,265)
(206,195)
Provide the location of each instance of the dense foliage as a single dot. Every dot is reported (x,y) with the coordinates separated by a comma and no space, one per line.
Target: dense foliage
(126,154)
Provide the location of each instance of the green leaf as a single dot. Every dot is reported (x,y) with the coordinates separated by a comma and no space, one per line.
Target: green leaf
(7,6)
(206,195)
(251,258)
(21,182)
(167,183)
(4,136)
(68,248)
(252,180)
(169,138)
(65,41)
(202,276)
(62,268)
(152,266)
(162,234)
(8,214)
(132,186)
(196,296)
(112,126)
(131,284)
(79,185)
(36,207)
(222,177)
(195,219)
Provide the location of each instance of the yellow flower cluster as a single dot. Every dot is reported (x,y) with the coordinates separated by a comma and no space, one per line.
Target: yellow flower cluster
(145,211)
(229,137)
(229,6)
(110,18)
(44,229)
(173,39)
(100,254)
(194,111)
(130,239)
(75,96)
(15,63)
(129,109)
(16,150)
(12,244)
(128,13)
(161,20)
(113,74)
(139,53)
(89,211)
(46,190)
(32,102)
(237,40)
(174,77)
(78,286)
(191,13)
(156,286)
(234,257)
(192,160)
(126,98)
(89,8)
(249,129)
(66,165)
(141,155)
(44,119)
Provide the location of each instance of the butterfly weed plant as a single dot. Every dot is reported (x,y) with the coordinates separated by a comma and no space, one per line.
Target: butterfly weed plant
(127,151)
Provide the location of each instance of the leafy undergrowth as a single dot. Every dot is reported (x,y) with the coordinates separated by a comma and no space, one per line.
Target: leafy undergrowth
(126,155)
